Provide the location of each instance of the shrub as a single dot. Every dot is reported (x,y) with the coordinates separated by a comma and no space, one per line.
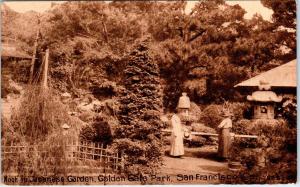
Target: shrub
(239,110)
(198,127)
(46,158)
(99,131)
(211,116)
(289,110)
(272,154)
(138,134)
(195,112)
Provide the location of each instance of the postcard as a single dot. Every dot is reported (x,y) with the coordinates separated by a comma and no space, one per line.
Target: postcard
(148,92)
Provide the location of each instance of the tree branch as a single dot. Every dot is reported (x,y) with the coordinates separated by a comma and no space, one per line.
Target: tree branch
(196,35)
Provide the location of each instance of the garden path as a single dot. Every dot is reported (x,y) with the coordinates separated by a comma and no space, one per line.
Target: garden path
(196,166)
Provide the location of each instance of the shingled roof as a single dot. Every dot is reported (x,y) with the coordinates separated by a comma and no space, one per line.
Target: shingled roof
(281,76)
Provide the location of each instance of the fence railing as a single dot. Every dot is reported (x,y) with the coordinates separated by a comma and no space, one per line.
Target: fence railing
(77,154)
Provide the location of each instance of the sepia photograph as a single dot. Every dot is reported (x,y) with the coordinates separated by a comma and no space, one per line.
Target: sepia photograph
(148,92)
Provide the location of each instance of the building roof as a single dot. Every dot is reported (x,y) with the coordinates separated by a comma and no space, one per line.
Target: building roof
(11,51)
(281,76)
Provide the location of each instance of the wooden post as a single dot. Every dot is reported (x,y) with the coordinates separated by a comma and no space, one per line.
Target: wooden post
(33,57)
(45,71)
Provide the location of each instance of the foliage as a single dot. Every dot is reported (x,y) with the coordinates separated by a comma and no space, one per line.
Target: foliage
(284,12)
(87,50)
(40,114)
(195,112)
(239,110)
(138,134)
(8,134)
(272,154)
(202,140)
(19,27)
(284,20)
(204,53)
(46,158)
(99,131)
(211,116)
(36,125)
(289,111)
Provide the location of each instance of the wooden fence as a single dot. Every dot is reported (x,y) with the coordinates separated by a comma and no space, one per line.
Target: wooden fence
(87,156)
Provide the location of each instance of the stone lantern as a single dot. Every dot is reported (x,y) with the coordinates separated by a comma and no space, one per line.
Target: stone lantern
(65,129)
(184,105)
(264,101)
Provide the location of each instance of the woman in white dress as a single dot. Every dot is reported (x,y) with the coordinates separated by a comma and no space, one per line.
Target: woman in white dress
(177,149)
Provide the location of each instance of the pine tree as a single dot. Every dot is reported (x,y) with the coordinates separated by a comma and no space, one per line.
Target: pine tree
(139,135)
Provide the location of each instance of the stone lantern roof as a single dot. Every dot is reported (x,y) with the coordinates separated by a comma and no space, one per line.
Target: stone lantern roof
(184,102)
(264,96)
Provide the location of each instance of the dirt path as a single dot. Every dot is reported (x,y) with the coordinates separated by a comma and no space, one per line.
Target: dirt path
(198,166)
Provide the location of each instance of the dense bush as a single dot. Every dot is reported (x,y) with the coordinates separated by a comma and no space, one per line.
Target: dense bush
(98,131)
(272,154)
(289,110)
(195,112)
(240,110)
(138,134)
(212,116)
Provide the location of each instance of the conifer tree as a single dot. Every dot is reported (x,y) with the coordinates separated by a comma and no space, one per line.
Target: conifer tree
(139,135)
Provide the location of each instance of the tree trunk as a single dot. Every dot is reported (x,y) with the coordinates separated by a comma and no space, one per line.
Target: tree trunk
(33,57)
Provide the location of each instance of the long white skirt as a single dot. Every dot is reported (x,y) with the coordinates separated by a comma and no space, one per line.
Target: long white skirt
(177,148)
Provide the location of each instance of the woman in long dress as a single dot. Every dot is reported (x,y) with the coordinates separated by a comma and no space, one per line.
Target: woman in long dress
(224,136)
(177,148)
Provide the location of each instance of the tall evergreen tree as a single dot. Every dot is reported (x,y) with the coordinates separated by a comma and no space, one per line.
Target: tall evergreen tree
(139,135)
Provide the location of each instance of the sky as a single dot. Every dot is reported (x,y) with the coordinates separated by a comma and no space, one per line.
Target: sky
(251,7)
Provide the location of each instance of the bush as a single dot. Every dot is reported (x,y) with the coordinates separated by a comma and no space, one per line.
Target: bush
(212,116)
(8,134)
(47,158)
(195,112)
(273,153)
(289,110)
(138,136)
(100,131)
(198,127)
(239,110)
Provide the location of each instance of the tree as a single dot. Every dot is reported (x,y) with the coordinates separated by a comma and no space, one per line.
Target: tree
(87,45)
(284,12)
(138,134)
(192,47)
(284,18)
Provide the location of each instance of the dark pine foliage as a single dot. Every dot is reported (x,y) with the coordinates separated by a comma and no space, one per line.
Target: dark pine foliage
(138,134)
